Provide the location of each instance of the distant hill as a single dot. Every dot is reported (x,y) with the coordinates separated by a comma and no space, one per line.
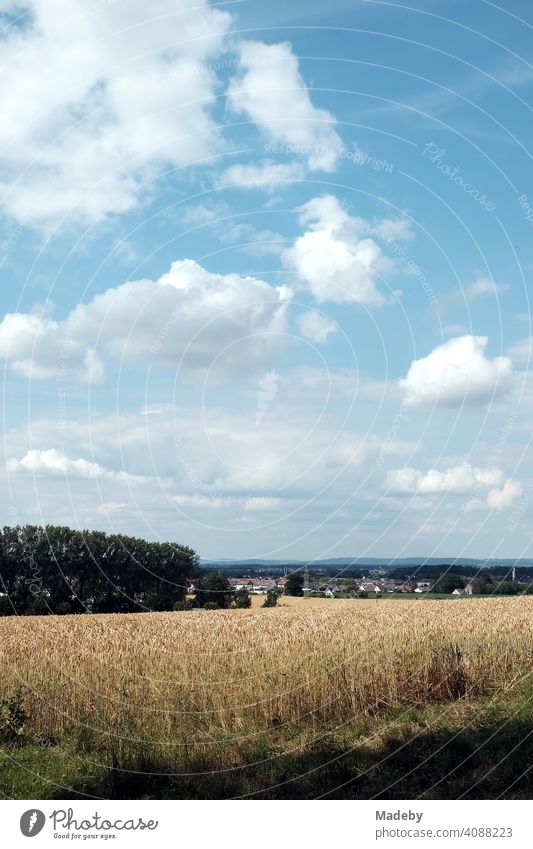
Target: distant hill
(366,563)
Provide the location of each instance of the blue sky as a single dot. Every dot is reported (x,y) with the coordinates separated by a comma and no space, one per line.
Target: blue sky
(266,274)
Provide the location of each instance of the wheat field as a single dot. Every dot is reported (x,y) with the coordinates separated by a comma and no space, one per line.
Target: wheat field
(200,686)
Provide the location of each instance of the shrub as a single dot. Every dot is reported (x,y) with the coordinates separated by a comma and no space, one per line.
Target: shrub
(271,599)
(12,719)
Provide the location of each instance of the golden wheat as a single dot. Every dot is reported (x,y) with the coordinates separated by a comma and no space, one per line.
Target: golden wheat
(215,679)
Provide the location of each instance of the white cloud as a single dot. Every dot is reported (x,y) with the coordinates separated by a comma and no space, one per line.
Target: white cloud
(189,314)
(204,213)
(497,498)
(260,503)
(457,372)
(257,503)
(458,479)
(266,175)
(483,286)
(316,327)
(204,501)
(98,99)
(40,348)
(474,504)
(53,463)
(498,493)
(332,258)
(502,499)
(394,229)
(92,102)
(272,94)
(112,507)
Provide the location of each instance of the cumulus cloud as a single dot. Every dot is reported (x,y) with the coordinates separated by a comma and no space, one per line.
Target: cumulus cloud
(189,314)
(457,372)
(333,258)
(270,91)
(91,108)
(316,327)
(39,348)
(488,486)
(502,499)
(458,479)
(497,498)
(53,463)
(266,175)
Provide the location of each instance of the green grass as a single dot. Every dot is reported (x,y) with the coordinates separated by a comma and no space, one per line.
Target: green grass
(478,749)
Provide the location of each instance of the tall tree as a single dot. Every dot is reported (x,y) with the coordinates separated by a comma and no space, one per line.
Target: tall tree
(294,584)
(213,589)
(61,570)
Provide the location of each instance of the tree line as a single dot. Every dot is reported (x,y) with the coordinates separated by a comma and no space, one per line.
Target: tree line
(483,584)
(60,570)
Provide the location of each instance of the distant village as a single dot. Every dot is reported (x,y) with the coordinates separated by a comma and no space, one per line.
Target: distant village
(342,588)
(374,583)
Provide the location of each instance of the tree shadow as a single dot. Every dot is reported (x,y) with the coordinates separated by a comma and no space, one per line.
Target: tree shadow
(486,762)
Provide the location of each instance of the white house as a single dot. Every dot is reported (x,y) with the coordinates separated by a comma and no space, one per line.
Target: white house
(369,588)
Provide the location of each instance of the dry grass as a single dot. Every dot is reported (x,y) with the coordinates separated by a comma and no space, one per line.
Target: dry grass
(300,602)
(210,682)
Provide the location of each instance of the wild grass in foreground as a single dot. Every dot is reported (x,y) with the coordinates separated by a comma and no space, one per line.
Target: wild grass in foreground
(383,698)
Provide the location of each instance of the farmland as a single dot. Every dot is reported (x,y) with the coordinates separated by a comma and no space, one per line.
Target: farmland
(291,702)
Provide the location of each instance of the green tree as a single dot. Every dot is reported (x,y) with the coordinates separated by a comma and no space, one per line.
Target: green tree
(448,582)
(482,585)
(75,571)
(506,588)
(242,598)
(213,588)
(271,599)
(295,584)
